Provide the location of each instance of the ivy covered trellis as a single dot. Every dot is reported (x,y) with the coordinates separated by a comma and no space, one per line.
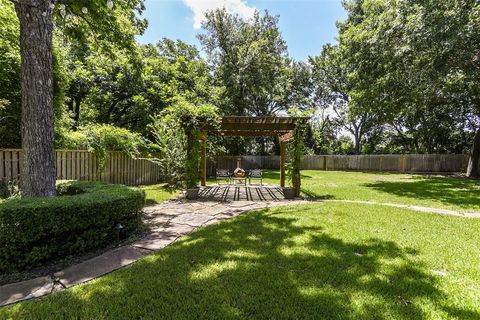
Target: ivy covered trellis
(296,150)
(179,141)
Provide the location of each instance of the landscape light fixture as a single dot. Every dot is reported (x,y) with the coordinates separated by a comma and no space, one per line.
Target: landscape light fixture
(119,227)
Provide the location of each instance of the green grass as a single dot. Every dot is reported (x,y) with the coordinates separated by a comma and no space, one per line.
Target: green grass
(330,261)
(455,193)
(158,193)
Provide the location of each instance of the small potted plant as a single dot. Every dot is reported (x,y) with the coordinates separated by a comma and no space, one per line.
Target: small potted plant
(192,193)
(289,192)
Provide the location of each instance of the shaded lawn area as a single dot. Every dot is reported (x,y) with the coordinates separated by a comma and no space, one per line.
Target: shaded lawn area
(157,193)
(448,192)
(330,261)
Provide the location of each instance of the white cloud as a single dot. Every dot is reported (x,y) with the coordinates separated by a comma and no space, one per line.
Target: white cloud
(199,7)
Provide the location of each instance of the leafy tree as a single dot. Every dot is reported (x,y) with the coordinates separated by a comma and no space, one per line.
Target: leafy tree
(127,90)
(250,61)
(333,91)
(415,65)
(36,18)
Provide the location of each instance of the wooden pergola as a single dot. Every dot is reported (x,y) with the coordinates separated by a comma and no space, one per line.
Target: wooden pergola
(281,127)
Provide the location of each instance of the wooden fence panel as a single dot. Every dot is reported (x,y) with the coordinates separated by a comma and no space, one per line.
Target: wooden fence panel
(83,165)
(247,163)
(446,163)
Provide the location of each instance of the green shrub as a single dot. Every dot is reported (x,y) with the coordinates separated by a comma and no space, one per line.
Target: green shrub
(82,218)
(177,131)
(101,138)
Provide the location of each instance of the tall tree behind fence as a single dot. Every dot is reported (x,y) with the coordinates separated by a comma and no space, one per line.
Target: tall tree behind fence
(446,163)
(83,165)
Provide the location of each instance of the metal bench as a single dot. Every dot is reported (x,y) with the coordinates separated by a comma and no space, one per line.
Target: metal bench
(255,174)
(223,174)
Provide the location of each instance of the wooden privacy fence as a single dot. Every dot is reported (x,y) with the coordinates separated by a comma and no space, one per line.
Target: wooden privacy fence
(446,163)
(121,168)
(83,165)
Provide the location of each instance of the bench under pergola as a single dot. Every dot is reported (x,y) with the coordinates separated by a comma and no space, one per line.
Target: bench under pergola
(281,127)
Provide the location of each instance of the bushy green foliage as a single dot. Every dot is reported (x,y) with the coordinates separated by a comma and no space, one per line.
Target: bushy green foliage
(296,150)
(81,218)
(170,142)
(9,76)
(102,138)
(177,136)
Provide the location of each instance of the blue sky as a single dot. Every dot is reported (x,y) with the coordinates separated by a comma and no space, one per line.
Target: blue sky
(305,24)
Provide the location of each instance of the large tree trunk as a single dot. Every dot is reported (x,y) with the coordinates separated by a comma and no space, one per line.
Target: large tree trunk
(357,141)
(473,162)
(38,166)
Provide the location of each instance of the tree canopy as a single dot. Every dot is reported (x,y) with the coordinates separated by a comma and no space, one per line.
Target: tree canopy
(402,77)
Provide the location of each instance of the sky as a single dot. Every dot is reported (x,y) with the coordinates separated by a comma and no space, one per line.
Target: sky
(306,25)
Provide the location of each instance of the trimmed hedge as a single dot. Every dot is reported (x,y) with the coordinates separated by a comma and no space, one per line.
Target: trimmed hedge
(81,218)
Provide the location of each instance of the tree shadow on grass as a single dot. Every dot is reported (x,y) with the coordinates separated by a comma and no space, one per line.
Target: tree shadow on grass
(454,191)
(260,265)
(275,175)
(310,194)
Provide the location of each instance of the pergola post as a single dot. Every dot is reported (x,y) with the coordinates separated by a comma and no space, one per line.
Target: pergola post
(203,161)
(282,162)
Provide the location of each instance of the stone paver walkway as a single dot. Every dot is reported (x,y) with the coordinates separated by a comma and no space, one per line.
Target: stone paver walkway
(167,221)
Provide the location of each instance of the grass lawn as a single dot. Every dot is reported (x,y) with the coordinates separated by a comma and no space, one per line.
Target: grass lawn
(157,193)
(330,260)
(431,191)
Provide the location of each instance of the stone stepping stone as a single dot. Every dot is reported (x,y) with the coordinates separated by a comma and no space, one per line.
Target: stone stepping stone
(28,289)
(158,219)
(239,204)
(168,222)
(192,219)
(180,229)
(100,265)
(212,210)
(226,215)
(156,240)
